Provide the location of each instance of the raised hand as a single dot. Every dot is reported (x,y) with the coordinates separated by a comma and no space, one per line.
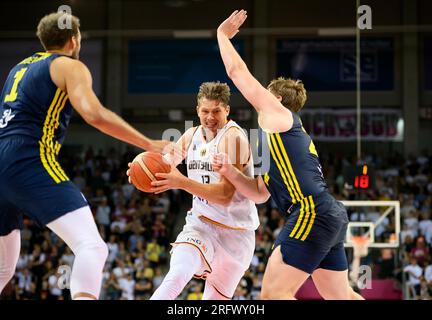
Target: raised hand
(230,27)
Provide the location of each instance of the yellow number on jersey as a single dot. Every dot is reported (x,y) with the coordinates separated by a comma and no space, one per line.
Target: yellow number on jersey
(13,93)
(312,149)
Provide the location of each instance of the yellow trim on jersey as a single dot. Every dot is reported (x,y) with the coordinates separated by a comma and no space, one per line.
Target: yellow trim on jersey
(293,232)
(312,148)
(42,56)
(287,173)
(50,139)
(46,146)
(289,165)
(53,126)
(311,220)
(305,220)
(266,178)
(43,157)
(280,168)
(57,148)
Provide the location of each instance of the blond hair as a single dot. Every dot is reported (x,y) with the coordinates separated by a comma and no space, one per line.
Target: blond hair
(292,92)
(214,91)
(53,37)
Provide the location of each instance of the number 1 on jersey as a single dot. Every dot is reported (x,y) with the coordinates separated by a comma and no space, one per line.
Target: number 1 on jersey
(13,93)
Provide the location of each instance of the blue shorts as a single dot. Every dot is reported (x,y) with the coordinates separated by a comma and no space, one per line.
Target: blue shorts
(32,187)
(314,234)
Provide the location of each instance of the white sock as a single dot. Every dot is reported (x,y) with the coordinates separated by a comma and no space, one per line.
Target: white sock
(78,230)
(9,254)
(185,262)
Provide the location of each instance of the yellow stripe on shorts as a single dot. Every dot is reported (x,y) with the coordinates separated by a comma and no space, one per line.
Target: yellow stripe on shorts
(305,220)
(293,232)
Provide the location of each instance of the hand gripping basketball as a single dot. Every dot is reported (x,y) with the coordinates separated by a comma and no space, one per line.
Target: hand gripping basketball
(144,168)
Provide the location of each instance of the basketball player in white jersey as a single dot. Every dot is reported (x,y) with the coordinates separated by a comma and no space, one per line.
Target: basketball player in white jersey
(218,241)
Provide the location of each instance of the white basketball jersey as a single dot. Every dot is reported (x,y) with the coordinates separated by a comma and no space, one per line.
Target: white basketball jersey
(240,213)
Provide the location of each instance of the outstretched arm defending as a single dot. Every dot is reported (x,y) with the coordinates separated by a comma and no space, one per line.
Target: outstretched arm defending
(73,77)
(252,188)
(265,103)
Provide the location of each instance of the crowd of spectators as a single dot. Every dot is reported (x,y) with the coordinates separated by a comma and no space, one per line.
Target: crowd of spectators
(136,226)
(138,229)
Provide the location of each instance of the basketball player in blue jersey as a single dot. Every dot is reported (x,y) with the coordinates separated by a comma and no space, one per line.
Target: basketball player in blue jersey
(311,242)
(35,108)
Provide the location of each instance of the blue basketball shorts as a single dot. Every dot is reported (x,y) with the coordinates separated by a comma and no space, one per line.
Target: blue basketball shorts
(33,183)
(314,234)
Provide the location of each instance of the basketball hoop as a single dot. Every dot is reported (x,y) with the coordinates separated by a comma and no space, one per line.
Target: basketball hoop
(360,245)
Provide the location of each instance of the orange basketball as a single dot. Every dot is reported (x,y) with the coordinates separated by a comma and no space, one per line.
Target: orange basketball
(144,168)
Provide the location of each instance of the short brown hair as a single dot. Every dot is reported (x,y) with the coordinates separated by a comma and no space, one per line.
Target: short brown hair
(292,92)
(49,33)
(214,91)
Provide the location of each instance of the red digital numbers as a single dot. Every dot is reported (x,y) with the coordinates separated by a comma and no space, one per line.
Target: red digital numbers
(361,182)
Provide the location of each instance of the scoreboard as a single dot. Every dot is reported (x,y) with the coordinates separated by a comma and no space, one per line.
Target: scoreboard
(360,177)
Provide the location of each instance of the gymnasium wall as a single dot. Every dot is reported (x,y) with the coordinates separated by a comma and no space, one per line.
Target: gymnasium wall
(107,53)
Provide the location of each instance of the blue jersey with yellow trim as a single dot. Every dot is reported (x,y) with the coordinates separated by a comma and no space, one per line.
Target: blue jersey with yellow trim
(33,107)
(31,104)
(294,172)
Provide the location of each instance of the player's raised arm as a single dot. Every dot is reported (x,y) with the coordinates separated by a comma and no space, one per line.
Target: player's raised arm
(75,78)
(261,99)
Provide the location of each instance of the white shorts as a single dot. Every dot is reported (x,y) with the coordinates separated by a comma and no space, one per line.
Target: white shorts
(226,253)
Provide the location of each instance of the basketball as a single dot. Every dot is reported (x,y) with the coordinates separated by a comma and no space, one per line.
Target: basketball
(144,168)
